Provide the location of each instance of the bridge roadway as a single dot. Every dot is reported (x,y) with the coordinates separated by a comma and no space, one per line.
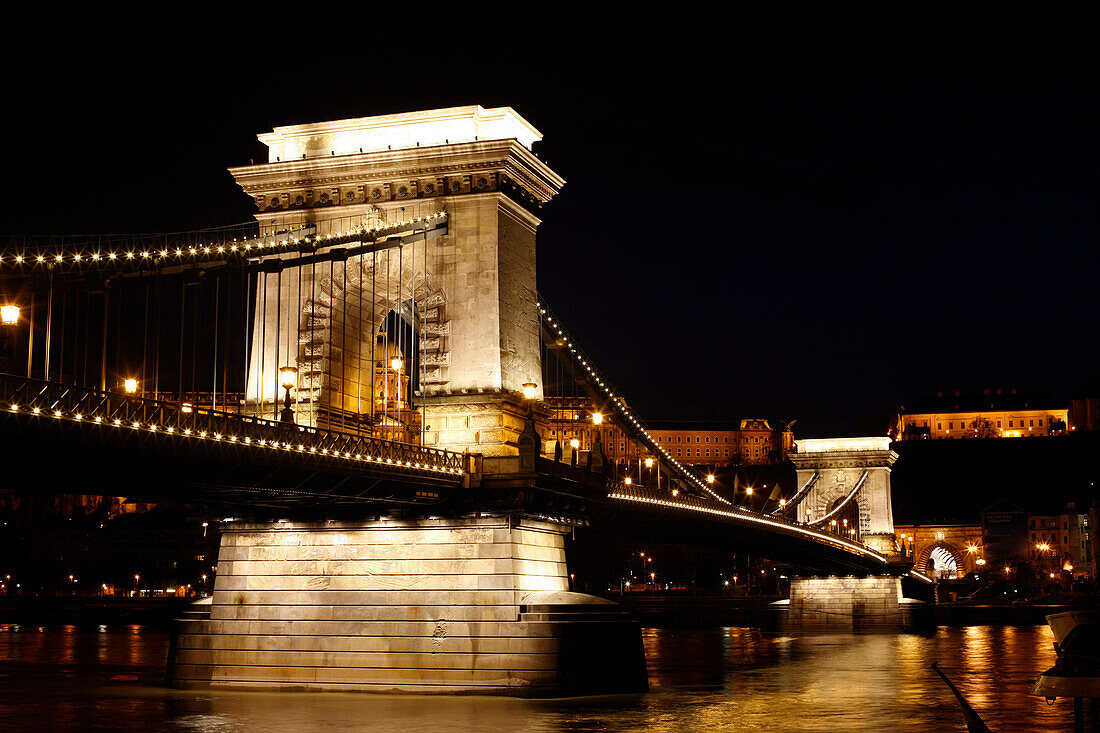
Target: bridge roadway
(65,439)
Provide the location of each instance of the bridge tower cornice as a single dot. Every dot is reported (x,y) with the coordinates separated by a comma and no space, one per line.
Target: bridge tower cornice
(844,459)
(399,176)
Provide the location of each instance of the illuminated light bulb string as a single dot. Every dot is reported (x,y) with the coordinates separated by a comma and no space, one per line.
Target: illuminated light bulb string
(125,422)
(95,256)
(687,504)
(628,420)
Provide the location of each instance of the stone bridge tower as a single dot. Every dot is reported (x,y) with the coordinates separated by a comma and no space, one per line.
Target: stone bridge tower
(472,289)
(840,471)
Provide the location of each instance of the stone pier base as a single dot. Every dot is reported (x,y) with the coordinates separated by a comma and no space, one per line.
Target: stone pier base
(848,604)
(476,606)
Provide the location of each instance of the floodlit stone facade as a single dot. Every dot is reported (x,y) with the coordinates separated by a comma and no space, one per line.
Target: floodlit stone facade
(466,605)
(469,289)
(842,470)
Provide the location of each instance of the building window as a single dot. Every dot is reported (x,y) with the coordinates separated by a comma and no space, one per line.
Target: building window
(1031,423)
(1040,422)
(951,426)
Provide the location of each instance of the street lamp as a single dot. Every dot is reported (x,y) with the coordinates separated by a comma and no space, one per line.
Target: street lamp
(130,385)
(396,363)
(710,478)
(597,418)
(9,315)
(529,390)
(288,375)
(628,481)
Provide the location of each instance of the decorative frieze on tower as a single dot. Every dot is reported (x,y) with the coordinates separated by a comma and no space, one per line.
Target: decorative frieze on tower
(470,292)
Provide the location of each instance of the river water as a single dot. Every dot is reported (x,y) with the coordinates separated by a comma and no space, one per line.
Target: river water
(59,679)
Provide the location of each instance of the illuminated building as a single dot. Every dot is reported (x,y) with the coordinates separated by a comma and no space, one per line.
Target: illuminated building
(1062,541)
(751,441)
(1011,415)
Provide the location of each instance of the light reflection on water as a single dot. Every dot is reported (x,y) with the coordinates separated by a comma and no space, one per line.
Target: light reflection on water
(701,679)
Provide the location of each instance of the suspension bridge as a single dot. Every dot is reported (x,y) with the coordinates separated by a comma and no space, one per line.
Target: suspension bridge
(363,373)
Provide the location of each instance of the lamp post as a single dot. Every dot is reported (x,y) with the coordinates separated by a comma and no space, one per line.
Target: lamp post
(288,375)
(396,363)
(9,316)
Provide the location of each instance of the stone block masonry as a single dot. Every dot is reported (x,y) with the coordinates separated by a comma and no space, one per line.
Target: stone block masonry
(476,605)
(846,603)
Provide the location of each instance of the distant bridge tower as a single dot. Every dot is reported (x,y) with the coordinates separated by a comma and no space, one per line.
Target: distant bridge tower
(469,294)
(836,472)
(834,476)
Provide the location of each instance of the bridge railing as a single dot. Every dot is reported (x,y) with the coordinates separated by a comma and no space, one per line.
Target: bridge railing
(53,400)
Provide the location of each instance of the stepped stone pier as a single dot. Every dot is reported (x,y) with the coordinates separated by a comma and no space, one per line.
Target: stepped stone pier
(478,605)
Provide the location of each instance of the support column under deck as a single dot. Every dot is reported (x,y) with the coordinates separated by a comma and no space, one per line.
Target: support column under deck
(476,605)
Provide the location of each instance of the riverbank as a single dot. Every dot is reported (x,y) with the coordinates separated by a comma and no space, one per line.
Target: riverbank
(98,610)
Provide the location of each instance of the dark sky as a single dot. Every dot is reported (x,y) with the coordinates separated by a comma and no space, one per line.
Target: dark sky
(794,214)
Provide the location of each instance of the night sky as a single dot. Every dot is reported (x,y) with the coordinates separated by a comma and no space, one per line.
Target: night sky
(798,214)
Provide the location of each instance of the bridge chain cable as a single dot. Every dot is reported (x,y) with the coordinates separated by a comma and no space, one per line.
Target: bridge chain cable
(141,253)
(600,389)
(639,495)
(836,510)
(798,496)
